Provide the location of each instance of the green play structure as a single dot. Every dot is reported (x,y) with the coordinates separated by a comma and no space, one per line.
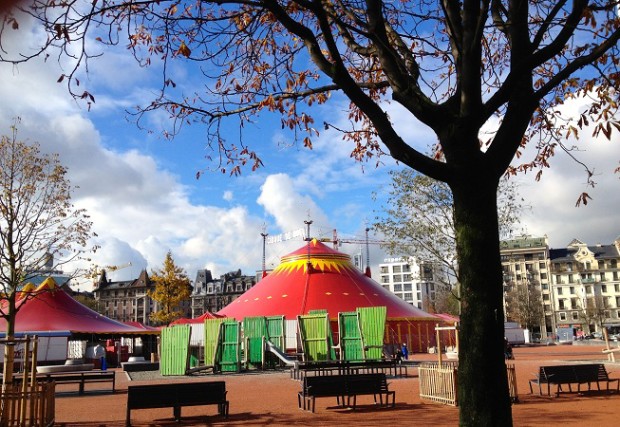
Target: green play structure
(260,342)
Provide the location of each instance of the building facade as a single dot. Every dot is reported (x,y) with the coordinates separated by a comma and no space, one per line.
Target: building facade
(128,301)
(414,282)
(586,286)
(211,295)
(579,286)
(525,266)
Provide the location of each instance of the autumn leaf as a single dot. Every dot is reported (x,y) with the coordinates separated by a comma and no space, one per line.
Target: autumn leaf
(184,50)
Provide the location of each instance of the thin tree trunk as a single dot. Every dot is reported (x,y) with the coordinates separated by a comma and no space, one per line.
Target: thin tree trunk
(9,350)
(482,381)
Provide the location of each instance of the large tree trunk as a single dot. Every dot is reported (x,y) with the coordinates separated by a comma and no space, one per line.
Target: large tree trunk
(482,381)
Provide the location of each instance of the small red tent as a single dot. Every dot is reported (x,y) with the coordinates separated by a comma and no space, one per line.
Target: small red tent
(49,308)
(199,319)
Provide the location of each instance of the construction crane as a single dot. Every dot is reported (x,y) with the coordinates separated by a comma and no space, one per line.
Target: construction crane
(337,242)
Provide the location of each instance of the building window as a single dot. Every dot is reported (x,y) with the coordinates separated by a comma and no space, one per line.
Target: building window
(408,287)
(397,269)
(398,277)
(602,277)
(562,316)
(408,296)
(384,269)
(603,288)
(570,279)
(406,268)
(559,291)
(575,315)
(543,276)
(541,266)
(601,265)
(385,279)
(572,290)
(517,267)
(398,287)
(561,304)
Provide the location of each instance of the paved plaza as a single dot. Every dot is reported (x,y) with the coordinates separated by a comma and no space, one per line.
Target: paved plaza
(270,399)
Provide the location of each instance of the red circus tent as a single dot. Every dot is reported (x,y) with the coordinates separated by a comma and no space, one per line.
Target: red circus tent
(49,308)
(316,277)
(199,319)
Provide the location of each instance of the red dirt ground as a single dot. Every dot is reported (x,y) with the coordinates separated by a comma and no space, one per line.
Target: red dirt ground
(261,399)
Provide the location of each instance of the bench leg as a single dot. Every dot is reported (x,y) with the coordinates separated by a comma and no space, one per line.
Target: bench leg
(176,412)
(128,418)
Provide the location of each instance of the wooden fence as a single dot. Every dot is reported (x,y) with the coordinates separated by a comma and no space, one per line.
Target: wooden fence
(31,406)
(438,382)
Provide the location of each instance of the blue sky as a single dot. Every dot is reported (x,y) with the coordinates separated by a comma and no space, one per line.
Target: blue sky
(144,199)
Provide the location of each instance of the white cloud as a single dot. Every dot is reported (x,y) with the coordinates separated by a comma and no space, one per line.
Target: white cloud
(288,207)
(553,198)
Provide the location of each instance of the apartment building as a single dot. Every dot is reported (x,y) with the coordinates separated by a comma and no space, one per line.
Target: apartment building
(415,282)
(128,301)
(211,295)
(525,265)
(586,286)
(579,285)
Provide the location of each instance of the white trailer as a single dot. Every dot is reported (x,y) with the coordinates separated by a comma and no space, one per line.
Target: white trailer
(515,334)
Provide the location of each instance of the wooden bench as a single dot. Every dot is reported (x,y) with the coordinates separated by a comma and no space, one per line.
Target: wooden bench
(77,377)
(579,375)
(175,396)
(321,386)
(369,384)
(341,386)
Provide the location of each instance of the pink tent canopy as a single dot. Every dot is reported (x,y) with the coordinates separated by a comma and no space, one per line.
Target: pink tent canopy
(316,277)
(49,308)
(199,319)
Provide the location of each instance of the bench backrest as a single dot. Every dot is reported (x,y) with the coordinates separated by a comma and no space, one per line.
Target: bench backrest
(573,373)
(327,385)
(163,395)
(366,383)
(559,373)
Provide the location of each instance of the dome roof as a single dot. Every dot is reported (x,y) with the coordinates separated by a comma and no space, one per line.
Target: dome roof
(316,277)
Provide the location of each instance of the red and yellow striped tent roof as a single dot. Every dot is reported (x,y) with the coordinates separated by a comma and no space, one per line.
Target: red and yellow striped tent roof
(316,277)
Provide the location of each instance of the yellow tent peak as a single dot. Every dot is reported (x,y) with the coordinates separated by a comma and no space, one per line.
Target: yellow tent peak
(49,284)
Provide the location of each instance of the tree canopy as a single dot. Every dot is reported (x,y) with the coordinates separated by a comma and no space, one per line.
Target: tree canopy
(418,219)
(40,229)
(172,287)
(489,78)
